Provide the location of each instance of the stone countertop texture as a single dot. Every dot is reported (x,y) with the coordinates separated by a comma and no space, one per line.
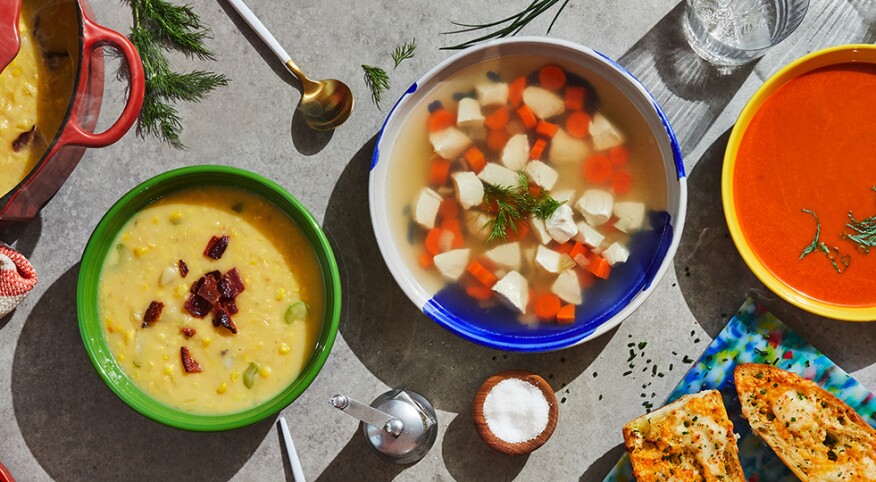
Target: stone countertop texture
(59,421)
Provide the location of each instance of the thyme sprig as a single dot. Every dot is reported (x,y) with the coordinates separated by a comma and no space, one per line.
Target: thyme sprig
(513,204)
(377,81)
(158,26)
(839,261)
(404,51)
(863,232)
(511,25)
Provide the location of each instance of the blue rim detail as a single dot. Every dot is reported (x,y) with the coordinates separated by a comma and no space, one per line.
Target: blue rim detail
(376,156)
(673,141)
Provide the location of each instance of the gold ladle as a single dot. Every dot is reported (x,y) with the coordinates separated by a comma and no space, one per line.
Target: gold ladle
(325,104)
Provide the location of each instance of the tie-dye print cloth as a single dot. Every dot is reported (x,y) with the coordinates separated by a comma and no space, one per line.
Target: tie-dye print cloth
(755,335)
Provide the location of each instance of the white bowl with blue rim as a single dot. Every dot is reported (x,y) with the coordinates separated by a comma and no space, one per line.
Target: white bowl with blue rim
(608,302)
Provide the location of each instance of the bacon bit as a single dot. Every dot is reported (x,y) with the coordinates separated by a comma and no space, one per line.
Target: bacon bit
(222,318)
(24,139)
(209,289)
(152,313)
(228,305)
(216,247)
(188,332)
(197,306)
(183,268)
(189,363)
(231,284)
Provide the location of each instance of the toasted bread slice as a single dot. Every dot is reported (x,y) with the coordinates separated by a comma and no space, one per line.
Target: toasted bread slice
(816,435)
(690,439)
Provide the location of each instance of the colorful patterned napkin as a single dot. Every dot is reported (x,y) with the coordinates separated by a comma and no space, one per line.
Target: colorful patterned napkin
(17,278)
(755,335)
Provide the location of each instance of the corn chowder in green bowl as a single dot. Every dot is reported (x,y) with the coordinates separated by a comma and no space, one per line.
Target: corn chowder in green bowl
(208,298)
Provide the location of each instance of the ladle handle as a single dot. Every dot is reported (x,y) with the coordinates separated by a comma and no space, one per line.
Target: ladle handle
(260,30)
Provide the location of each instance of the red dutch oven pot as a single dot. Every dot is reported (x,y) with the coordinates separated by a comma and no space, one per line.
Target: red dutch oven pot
(76,133)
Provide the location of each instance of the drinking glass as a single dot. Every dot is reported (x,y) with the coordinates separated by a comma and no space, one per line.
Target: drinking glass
(734,32)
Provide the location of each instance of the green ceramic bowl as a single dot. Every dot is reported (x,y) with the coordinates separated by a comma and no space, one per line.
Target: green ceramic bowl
(102,240)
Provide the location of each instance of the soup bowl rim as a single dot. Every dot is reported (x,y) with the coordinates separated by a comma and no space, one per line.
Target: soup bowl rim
(402,272)
(94,256)
(841,54)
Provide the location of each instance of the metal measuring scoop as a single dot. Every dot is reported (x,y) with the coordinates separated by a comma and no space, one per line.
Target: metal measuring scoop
(326,104)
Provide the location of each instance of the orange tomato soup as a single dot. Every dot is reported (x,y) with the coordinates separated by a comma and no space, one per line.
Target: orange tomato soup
(812,145)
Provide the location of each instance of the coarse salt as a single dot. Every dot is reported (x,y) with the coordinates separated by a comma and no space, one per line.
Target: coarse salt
(516,410)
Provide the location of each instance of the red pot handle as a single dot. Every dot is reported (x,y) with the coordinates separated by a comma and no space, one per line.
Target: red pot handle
(94,36)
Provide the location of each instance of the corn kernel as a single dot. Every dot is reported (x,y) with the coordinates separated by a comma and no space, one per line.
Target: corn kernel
(129,337)
(16,72)
(181,291)
(126,236)
(281,293)
(168,368)
(166,357)
(121,357)
(154,219)
(234,376)
(265,372)
(284,348)
(176,217)
(206,341)
(222,388)
(140,251)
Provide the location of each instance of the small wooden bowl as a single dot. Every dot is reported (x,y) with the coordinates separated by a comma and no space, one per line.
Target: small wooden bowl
(495,442)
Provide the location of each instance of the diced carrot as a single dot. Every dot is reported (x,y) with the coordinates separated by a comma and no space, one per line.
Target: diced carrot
(496,140)
(426,260)
(537,149)
(515,91)
(578,249)
(599,266)
(552,77)
(535,191)
(578,124)
(492,207)
(452,225)
(440,119)
(433,241)
(575,97)
(498,119)
(621,182)
(478,291)
(564,248)
(521,233)
(546,306)
(527,116)
(546,129)
(482,274)
(619,155)
(566,315)
(448,209)
(439,172)
(597,169)
(476,159)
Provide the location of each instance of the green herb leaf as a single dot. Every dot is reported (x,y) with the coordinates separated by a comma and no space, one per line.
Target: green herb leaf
(249,374)
(514,204)
(377,81)
(296,312)
(404,51)
(814,244)
(511,25)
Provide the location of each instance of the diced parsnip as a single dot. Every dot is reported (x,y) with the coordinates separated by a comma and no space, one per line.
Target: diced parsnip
(568,287)
(605,135)
(469,113)
(630,216)
(616,253)
(497,175)
(492,93)
(528,254)
(566,149)
(449,143)
(563,195)
(426,206)
(543,103)
(552,261)
(169,274)
(561,224)
(588,235)
(539,229)
(477,224)
(506,256)
(513,289)
(595,205)
(542,175)
(452,264)
(469,189)
(515,154)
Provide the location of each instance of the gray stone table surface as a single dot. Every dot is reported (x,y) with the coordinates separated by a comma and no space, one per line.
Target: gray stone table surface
(59,421)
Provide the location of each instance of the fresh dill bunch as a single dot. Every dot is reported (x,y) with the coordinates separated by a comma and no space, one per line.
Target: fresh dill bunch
(513,204)
(404,51)
(377,81)
(159,26)
(511,25)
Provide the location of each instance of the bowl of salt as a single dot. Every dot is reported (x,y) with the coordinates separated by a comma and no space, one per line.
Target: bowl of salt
(515,412)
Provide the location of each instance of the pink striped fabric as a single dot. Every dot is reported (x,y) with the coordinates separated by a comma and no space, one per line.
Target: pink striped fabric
(17,278)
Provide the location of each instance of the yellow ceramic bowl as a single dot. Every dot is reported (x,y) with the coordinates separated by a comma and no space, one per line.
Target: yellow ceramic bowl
(835,55)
